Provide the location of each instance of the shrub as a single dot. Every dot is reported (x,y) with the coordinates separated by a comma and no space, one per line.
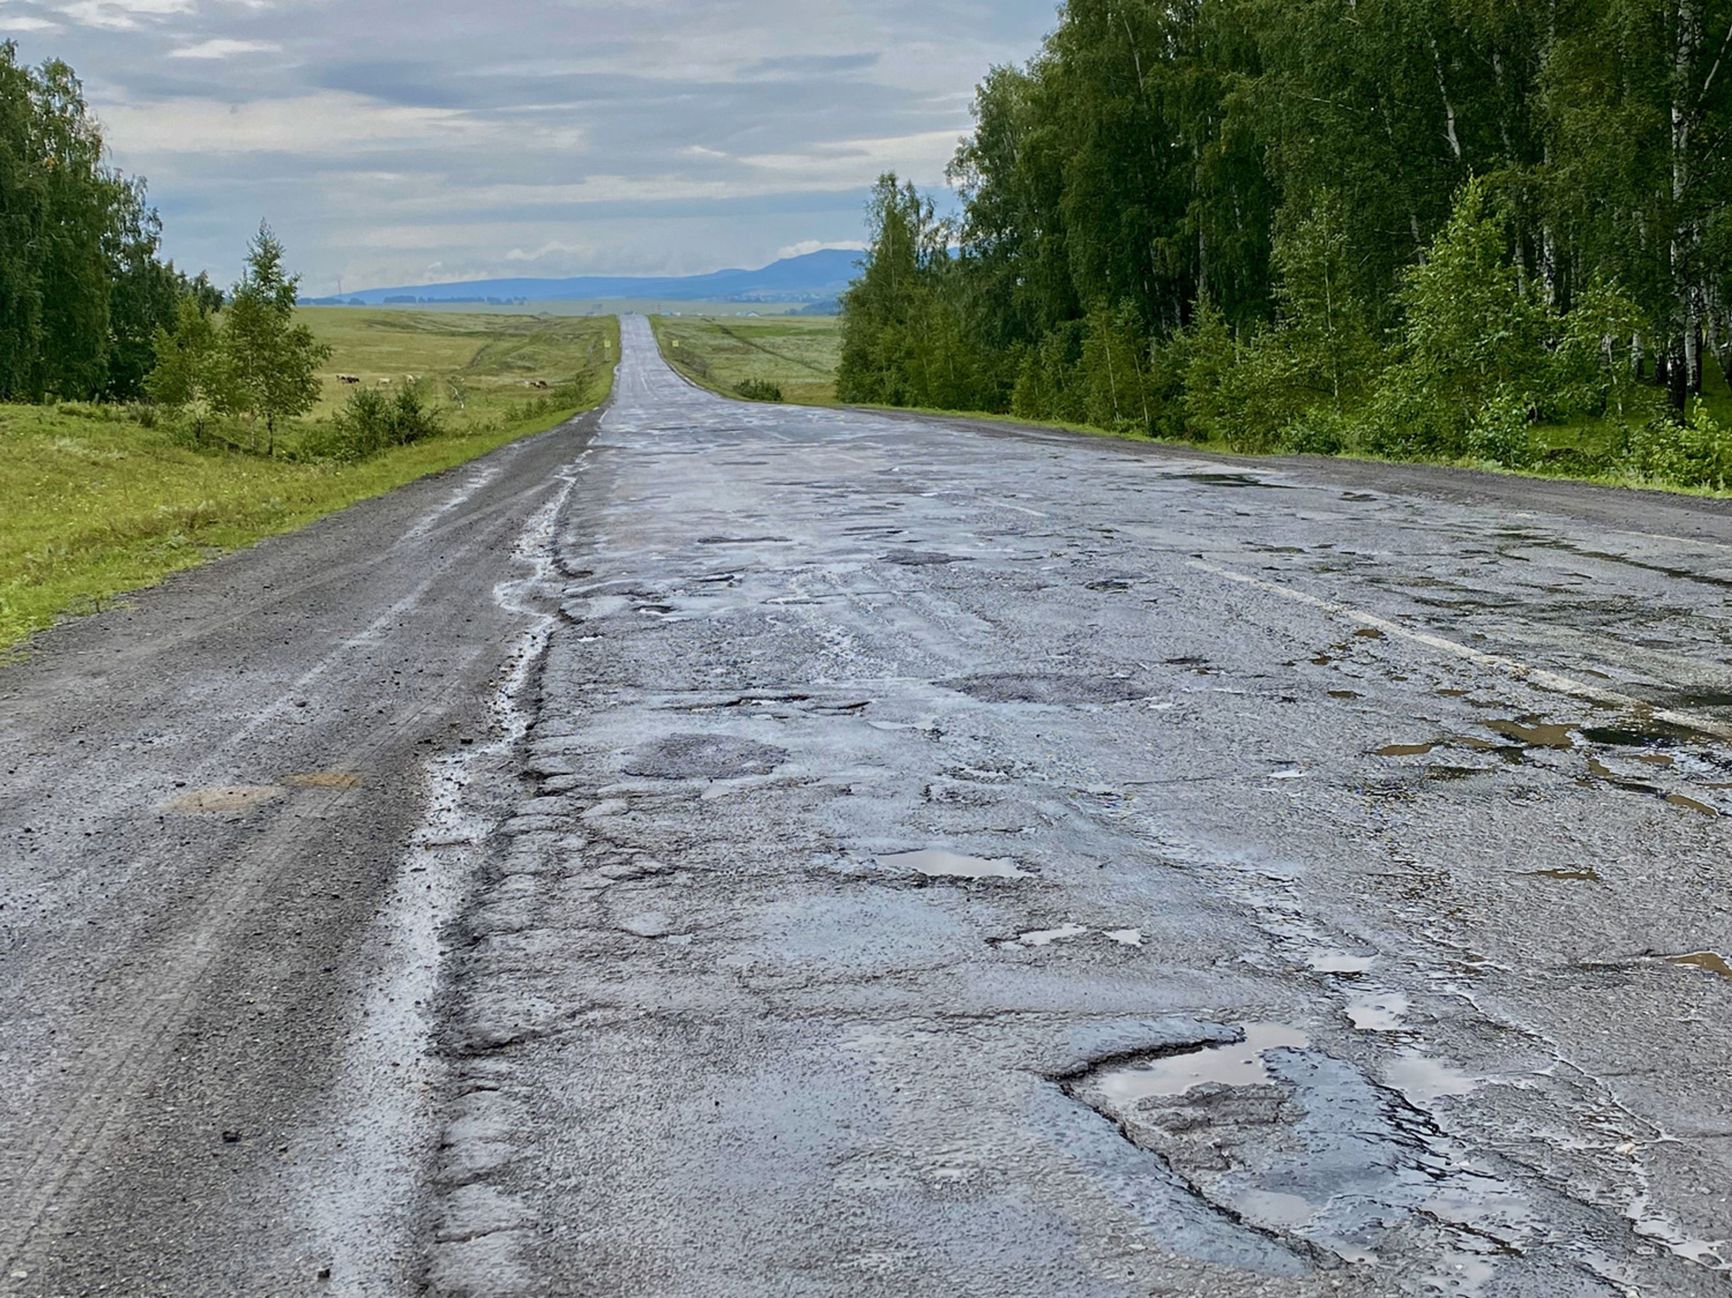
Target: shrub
(1319,431)
(370,422)
(1696,453)
(1500,432)
(758,390)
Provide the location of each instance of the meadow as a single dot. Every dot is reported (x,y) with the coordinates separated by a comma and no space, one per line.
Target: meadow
(796,353)
(101,500)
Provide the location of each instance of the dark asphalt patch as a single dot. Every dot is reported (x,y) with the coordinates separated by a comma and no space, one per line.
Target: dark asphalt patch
(703,757)
(1055,690)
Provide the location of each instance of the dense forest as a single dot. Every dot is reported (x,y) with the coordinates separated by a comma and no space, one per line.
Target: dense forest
(83,288)
(1408,227)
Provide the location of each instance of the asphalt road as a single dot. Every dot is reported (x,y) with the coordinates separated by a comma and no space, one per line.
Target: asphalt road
(891,857)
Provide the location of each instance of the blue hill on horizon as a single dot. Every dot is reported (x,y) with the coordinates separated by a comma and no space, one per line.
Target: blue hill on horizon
(815,277)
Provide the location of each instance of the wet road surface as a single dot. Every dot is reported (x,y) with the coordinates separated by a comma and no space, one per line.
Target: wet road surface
(912,858)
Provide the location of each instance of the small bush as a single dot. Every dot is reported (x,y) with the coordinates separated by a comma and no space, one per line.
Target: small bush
(1319,431)
(758,390)
(1696,453)
(1500,432)
(370,422)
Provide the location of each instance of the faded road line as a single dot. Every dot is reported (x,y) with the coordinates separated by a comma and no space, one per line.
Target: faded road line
(1542,677)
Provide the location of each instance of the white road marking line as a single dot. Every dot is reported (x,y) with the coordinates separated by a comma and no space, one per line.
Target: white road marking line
(1542,677)
(1021,509)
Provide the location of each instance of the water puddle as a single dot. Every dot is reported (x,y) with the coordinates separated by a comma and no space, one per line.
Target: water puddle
(1690,804)
(1047,936)
(1710,961)
(1409,750)
(1370,633)
(1377,1011)
(1424,1080)
(1338,963)
(1574,874)
(1238,1064)
(1534,734)
(940,863)
(1344,694)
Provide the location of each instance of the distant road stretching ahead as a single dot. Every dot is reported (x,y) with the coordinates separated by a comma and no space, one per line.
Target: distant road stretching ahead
(739,850)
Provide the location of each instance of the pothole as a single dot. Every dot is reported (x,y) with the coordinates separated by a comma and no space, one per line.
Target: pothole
(1239,1063)
(1053,690)
(703,757)
(1305,1148)
(1709,961)
(1378,1011)
(941,863)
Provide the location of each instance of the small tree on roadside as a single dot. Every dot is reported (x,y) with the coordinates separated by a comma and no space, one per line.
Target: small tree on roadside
(272,362)
(191,373)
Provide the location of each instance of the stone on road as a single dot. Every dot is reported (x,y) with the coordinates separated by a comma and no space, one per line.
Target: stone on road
(910,857)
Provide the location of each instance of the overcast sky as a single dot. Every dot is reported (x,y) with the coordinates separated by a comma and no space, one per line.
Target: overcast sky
(395,142)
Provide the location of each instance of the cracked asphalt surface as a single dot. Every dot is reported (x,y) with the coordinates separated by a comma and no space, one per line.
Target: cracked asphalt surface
(892,856)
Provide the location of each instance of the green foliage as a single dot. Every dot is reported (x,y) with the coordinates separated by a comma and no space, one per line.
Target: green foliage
(1403,227)
(758,390)
(1113,372)
(1501,432)
(372,421)
(272,361)
(1695,453)
(1472,336)
(191,375)
(83,290)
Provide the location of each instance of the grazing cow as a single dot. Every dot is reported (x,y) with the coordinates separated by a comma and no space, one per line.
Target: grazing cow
(538,383)
(349,378)
(384,383)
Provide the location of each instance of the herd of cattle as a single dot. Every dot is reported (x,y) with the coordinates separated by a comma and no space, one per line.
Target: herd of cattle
(351,380)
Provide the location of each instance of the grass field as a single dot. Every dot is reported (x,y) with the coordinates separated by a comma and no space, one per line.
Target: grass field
(98,504)
(798,354)
(594,306)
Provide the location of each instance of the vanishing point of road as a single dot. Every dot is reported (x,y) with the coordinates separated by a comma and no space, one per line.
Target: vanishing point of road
(716,849)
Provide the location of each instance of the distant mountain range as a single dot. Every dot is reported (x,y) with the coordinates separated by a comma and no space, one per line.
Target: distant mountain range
(817,277)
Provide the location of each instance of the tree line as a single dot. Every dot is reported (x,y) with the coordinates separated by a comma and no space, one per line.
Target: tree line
(83,286)
(1402,226)
(90,310)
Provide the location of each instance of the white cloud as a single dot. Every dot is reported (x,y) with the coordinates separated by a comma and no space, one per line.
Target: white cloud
(223,48)
(29,23)
(327,124)
(123,15)
(552,248)
(808,246)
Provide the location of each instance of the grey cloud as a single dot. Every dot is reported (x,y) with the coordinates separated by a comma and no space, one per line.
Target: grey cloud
(662,138)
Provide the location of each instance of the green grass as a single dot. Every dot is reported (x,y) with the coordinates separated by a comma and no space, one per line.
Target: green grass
(796,353)
(98,504)
(595,306)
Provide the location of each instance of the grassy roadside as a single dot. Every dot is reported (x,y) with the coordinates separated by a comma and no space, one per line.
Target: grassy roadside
(798,354)
(802,358)
(98,503)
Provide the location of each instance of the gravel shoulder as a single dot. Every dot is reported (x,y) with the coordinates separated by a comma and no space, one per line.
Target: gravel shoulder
(219,838)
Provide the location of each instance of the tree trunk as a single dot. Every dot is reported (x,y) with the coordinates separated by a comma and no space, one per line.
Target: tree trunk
(1684,356)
